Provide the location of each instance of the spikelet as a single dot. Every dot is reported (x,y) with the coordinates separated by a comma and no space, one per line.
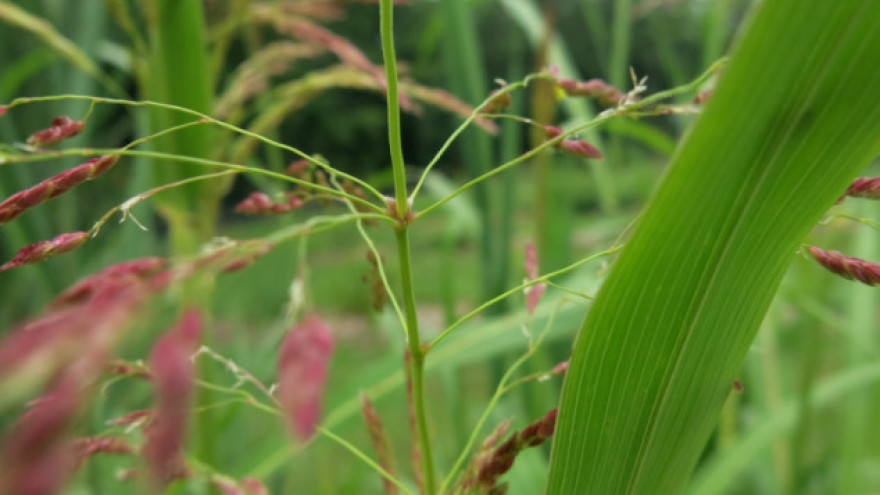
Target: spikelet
(847,267)
(21,201)
(42,250)
(62,128)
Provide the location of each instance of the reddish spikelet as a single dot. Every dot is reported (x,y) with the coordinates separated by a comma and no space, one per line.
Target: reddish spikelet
(606,94)
(847,267)
(302,373)
(296,168)
(560,369)
(374,278)
(863,187)
(738,386)
(574,147)
(61,128)
(416,450)
(40,251)
(703,96)
(141,416)
(35,457)
(3,109)
(498,102)
(349,54)
(579,147)
(533,293)
(505,454)
(380,441)
(173,378)
(86,447)
(260,204)
(246,486)
(470,474)
(132,272)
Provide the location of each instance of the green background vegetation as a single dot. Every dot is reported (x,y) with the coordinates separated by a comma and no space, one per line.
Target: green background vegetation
(802,424)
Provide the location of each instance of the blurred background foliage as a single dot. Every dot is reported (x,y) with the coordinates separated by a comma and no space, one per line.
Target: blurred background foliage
(308,90)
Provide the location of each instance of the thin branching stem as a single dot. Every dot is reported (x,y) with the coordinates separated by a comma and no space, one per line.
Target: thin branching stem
(500,390)
(86,152)
(495,300)
(207,119)
(364,457)
(602,118)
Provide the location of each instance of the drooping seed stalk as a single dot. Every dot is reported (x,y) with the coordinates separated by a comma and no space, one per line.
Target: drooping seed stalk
(403,249)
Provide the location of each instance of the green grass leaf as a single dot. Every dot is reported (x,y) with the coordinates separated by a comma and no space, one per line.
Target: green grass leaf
(792,122)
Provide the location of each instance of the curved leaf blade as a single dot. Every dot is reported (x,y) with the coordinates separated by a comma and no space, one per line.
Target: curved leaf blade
(792,121)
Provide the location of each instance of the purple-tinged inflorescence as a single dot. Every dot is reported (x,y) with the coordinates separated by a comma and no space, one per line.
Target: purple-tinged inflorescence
(302,372)
(863,187)
(260,204)
(533,293)
(574,147)
(606,94)
(61,128)
(380,441)
(42,250)
(173,379)
(21,201)
(847,267)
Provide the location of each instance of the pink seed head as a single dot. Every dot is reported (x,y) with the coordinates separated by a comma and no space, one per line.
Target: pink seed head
(173,376)
(296,168)
(61,128)
(577,147)
(46,249)
(21,201)
(302,373)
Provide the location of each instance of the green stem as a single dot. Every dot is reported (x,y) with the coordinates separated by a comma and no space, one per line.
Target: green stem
(403,248)
(394,141)
(417,357)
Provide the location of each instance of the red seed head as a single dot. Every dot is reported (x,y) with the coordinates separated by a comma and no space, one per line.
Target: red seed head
(21,201)
(173,378)
(46,249)
(62,128)
(3,109)
(498,101)
(533,293)
(580,148)
(296,168)
(302,372)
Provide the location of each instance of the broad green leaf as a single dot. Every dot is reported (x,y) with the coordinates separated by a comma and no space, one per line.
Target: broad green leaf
(793,120)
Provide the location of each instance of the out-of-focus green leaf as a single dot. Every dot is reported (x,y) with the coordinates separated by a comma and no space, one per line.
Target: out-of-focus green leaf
(792,121)
(18,17)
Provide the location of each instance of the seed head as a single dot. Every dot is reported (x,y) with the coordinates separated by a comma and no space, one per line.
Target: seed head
(46,249)
(260,204)
(863,187)
(61,128)
(296,168)
(302,373)
(574,147)
(21,201)
(380,442)
(498,101)
(847,267)
(173,377)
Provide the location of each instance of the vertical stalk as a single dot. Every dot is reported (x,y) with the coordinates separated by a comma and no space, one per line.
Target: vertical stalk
(394,142)
(403,249)
(417,366)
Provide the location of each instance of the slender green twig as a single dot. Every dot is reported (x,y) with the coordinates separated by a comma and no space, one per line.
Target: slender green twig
(464,125)
(364,457)
(186,159)
(599,120)
(543,278)
(500,390)
(202,117)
